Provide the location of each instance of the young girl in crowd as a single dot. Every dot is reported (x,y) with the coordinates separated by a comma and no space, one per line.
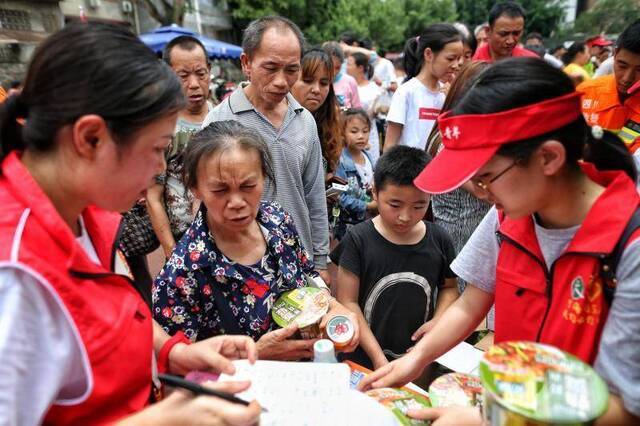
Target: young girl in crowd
(344,85)
(540,255)
(359,68)
(429,59)
(239,255)
(78,341)
(356,167)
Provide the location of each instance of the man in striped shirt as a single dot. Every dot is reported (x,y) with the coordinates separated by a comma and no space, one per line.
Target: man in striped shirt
(272,49)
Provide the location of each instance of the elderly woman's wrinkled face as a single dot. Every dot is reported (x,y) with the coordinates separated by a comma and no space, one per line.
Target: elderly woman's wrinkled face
(230,185)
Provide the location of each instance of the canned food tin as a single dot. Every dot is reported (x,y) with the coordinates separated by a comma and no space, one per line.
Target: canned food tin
(340,331)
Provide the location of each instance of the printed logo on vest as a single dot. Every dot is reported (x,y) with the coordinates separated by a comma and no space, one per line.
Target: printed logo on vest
(584,306)
(577,289)
(428,113)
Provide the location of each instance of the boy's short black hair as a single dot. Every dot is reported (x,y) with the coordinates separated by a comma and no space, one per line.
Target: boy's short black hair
(400,166)
(630,38)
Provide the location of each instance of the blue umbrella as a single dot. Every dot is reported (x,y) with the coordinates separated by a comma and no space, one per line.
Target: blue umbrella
(158,39)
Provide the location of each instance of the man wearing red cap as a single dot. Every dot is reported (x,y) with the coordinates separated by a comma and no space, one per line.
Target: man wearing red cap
(506,25)
(608,101)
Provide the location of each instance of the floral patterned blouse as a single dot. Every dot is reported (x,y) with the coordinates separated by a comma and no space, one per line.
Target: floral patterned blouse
(183,296)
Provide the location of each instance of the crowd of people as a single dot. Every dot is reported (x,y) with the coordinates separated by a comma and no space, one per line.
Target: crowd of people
(475,174)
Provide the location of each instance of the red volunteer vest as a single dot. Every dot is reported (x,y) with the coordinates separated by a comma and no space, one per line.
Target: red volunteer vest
(111,319)
(564,305)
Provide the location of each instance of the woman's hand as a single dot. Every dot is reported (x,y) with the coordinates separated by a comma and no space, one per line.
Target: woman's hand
(337,308)
(213,354)
(184,408)
(276,345)
(449,416)
(396,373)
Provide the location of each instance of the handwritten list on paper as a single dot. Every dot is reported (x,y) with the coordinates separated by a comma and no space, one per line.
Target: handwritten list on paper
(308,394)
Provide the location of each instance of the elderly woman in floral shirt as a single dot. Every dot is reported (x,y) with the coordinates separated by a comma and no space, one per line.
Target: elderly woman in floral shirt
(239,254)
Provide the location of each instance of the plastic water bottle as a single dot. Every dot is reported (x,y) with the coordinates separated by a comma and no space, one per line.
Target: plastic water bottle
(323,351)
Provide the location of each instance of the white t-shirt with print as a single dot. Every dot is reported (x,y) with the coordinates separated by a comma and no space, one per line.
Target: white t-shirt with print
(416,108)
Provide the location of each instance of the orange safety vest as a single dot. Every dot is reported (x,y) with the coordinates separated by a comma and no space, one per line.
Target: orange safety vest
(601,106)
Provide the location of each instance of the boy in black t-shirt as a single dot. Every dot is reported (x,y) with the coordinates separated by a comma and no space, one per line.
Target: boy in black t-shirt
(394,269)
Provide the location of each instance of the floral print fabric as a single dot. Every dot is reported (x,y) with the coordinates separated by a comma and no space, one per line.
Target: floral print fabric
(183,298)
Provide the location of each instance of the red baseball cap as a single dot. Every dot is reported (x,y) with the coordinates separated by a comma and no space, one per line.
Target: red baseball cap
(471,140)
(598,41)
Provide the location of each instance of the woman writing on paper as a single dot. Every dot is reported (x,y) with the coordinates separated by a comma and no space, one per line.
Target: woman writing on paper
(78,342)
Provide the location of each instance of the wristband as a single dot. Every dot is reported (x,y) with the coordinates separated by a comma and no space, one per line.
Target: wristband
(163,355)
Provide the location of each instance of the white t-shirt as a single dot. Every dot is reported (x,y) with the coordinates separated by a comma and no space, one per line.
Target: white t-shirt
(365,171)
(43,359)
(369,94)
(618,360)
(384,71)
(416,108)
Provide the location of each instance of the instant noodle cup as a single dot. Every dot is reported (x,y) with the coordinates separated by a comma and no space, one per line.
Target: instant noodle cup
(529,383)
(399,401)
(456,389)
(340,331)
(305,306)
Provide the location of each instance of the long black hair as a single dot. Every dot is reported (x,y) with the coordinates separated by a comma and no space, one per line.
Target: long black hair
(517,82)
(435,37)
(361,60)
(573,51)
(88,69)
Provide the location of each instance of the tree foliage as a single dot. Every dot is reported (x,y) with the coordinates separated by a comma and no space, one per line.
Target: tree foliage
(608,16)
(388,22)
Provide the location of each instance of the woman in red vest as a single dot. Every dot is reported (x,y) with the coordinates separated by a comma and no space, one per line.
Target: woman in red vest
(519,136)
(78,344)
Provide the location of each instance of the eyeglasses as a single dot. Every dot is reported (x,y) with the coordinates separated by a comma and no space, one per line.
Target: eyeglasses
(485,186)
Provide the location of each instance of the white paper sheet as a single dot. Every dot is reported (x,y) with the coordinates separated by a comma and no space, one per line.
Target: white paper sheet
(308,394)
(462,358)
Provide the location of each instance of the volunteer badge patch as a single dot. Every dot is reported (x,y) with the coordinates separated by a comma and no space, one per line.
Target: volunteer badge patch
(577,288)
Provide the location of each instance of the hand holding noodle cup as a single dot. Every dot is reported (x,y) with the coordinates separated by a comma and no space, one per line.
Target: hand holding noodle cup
(529,383)
(305,306)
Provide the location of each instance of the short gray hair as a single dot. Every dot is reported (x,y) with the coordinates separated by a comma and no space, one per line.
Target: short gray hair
(252,36)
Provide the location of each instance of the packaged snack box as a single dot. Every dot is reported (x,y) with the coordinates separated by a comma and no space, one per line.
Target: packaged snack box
(399,401)
(305,306)
(456,389)
(529,383)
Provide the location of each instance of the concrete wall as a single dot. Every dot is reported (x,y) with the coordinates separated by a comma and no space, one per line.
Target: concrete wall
(17,46)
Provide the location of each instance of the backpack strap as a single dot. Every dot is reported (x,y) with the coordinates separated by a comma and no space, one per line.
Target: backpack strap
(610,262)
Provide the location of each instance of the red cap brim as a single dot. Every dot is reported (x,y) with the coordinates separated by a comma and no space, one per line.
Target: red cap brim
(453,167)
